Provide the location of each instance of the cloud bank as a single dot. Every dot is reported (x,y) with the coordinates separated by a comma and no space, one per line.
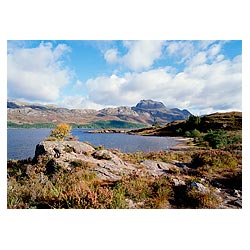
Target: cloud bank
(37,73)
(203,86)
(140,54)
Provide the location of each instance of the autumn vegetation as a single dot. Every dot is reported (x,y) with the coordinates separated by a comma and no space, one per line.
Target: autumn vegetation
(216,161)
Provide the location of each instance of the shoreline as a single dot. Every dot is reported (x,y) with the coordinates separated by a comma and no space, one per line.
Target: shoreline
(183,144)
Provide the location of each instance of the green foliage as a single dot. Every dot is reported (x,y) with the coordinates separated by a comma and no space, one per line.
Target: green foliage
(216,138)
(187,134)
(195,133)
(193,122)
(179,131)
(97,125)
(29,125)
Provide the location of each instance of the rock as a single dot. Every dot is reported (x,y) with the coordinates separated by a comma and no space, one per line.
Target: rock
(149,104)
(104,154)
(199,187)
(104,163)
(178,182)
(58,148)
(236,193)
(131,204)
(237,203)
(156,167)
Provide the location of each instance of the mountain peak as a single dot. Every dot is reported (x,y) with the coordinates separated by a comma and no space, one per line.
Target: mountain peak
(150,104)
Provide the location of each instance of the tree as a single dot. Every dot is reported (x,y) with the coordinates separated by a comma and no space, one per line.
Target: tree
(193,122)
(61,131)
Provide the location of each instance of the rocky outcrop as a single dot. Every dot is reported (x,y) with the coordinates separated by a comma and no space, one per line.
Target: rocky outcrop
(58,149)
(68,154)
(106,165)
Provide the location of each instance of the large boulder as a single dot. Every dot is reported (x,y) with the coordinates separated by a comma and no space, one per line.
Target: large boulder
(68,154)
(56,149)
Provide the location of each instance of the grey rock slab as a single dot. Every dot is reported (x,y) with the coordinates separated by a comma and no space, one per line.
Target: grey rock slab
(156,165)
(57,148)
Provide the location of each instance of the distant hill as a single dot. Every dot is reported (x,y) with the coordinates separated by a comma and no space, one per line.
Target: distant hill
(145,112)
(229,121)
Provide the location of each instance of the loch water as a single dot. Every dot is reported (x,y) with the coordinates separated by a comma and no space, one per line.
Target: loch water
(21,143)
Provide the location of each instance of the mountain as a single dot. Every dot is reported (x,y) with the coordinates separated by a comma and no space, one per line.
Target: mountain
(145,112)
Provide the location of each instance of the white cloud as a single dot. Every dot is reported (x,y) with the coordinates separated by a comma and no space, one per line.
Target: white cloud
(204,44)
(200,87)
(141,54)
(37,74)
(181,50)
(198,59)
(111,56)
(79,102)
(214,50)
(194,52)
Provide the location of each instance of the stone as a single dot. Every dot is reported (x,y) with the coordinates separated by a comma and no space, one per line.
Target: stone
(199,187)
(157,168)
(156,165)
(58,148)
(236,193)
(104,163)
(178,182)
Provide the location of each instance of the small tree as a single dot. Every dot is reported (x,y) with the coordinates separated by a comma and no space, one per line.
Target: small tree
(61,131)
(193,122)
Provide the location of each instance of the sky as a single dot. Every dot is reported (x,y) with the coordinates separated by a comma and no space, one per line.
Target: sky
(203,76)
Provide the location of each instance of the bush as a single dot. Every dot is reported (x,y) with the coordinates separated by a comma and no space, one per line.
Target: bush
(197,199)
(195,133)
(61,131)
(214,159)
(217,138)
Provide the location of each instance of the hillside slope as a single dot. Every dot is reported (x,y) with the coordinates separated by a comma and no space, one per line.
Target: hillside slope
(229,121)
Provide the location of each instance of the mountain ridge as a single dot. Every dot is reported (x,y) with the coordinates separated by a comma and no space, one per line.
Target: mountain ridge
(146,112)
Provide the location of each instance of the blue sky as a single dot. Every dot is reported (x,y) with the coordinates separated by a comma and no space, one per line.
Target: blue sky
(201,76)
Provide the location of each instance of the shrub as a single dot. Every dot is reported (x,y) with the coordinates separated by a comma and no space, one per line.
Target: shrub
(195,133)
(187,134)
(217,138)
(216,159)
(61,131)
(197,199)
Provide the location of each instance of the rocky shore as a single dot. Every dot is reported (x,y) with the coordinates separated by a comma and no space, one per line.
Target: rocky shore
(112,166)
